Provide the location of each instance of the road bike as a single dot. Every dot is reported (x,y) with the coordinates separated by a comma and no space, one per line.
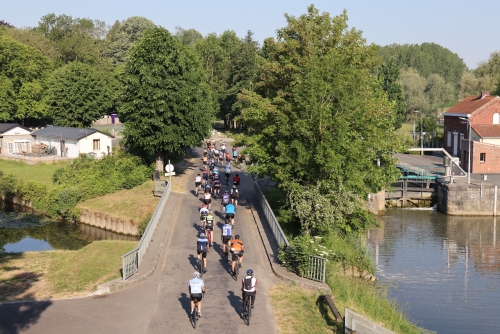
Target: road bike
(195,316)
(208,232)
(201,269)
(247,309)
(237,266)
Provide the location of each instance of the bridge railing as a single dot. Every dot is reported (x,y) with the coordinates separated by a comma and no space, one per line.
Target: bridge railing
(316,267)
(131,261)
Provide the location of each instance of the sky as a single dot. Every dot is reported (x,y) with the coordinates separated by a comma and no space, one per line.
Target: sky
(465,27)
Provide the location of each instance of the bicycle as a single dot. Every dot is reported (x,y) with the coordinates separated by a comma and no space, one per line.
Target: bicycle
(247,309)
(195,316)
(201,268)
(208,232)
(198,188)
(237,266)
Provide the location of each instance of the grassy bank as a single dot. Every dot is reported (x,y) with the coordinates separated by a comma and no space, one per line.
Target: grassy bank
(40,172)
(58,274)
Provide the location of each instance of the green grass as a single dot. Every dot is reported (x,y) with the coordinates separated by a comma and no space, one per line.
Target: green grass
(84,269)
(296,311)
(40,172)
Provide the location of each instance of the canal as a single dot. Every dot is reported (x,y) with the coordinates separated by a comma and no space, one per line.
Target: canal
(443,271)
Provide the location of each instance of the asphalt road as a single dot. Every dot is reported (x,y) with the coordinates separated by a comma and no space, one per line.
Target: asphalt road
(161,303)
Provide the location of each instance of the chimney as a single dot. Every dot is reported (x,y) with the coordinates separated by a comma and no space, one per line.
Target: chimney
(484,93)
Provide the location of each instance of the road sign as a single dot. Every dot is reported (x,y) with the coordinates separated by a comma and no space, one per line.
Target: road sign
(169,168)
(170,174)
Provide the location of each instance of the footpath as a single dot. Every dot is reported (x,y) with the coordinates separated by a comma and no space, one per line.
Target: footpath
(156,299)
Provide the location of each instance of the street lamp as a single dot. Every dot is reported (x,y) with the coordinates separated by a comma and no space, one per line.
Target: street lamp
(468,155)
(421,133)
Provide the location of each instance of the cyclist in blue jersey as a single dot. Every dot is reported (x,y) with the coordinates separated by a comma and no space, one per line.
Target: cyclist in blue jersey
(235,155)
(196,291)
(227,233)
(230,211)
(202,248)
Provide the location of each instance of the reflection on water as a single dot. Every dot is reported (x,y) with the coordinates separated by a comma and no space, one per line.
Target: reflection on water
(24,232)
(443,270)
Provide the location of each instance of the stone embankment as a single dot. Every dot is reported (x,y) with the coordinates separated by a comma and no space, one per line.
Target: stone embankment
(110,223)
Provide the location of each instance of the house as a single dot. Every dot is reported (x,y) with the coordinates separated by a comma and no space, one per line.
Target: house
(483,114)
(14,138)
(71,142)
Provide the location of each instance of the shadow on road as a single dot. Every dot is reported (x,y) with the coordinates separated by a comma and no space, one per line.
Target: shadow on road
(235,302)
(185,303)
(193,260)
(18,317)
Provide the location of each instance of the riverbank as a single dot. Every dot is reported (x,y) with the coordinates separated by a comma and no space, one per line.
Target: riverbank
(60,273)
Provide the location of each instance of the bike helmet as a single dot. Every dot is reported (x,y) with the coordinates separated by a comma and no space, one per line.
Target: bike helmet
(234,187)
(250,272)
(202,235)
(226,192)
(196,274)
(237,236)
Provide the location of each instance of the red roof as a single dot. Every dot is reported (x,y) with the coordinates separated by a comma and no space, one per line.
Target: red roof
(470,104)
(487,130)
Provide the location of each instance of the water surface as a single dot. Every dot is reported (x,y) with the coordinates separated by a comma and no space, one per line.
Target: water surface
(444,271)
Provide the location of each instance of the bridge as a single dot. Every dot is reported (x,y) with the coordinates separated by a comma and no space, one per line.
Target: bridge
(156,298)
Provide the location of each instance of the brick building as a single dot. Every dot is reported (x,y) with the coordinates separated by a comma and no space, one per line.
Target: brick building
(483,114)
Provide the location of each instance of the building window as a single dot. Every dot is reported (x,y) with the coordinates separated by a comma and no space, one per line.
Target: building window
(448,142)
(482,157)
(96,144)
(496,118)
(10,148)
(461,138)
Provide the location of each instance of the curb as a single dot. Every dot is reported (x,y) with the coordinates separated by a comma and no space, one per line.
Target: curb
(290,278)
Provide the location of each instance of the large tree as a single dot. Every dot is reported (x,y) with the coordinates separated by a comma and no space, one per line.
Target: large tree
(389,77)
(165,102)
(125,34)
(319,121)
(77,95)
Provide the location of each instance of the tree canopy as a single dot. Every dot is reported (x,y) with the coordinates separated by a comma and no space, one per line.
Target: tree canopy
(319,121)
(165,100)
(76,95)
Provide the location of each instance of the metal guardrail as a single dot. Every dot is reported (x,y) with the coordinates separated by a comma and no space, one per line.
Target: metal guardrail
(132,260)
(317,265)
(271,219)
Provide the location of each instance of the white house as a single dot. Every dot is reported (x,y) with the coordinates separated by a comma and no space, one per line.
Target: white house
(71,142)
(14,138)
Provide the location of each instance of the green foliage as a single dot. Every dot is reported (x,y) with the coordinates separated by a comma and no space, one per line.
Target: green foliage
(37,40)
(389,77)
(427,59)
(165,101)
(125,35)
(8,103)
(75,96)
(188,37)
(319,120)
(144,223)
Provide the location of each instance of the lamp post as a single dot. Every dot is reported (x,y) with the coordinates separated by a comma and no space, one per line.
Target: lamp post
(421,133)
(468,155)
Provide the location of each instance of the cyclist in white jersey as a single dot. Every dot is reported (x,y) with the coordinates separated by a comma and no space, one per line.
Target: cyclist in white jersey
(196,291)
(203,212)
(227,233)
(226,198)
(197,182)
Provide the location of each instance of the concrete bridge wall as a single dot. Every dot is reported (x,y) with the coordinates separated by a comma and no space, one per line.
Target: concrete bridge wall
(461,199)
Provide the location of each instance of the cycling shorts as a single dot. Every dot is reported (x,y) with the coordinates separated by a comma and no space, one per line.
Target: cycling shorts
(235,257)
(207,201)
(225,239)
(210,227)
(203,254)
(235,195)
(224,204)
(229,215)
(196,296)
(197,184)
(217,186)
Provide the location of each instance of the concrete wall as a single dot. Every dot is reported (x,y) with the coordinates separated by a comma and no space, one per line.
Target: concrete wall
(86,145)
(110,223)
(376,202)
(460,199)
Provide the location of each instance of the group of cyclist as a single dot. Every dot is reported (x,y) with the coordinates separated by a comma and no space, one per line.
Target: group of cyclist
(229,202)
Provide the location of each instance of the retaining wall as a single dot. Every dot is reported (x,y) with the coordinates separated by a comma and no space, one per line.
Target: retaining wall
(462,199)
(110,223)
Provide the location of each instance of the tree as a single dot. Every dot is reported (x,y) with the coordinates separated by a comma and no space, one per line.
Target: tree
(319,121)
(414,89)
(439,93)
(37,40)
(188,37)
(76,95)
(165,101)
(389,77)
(8,105)
(125,35)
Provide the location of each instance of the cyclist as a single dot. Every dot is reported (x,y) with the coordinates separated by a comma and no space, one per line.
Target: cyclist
(225,200)
(197,182)
(223,148)
(220,143)
(211,164)
(205,160)
(208,143)
(228,172)
(216,185)
(235,194)
(228,157)
(205,174)
(205,152)
(235,154)
(227,232)
(202,247)
(236,180)
(249,287)
(236,247)
(203,212)
(221,157)
(207,197)
(230,211)
(208,224)
(196,291)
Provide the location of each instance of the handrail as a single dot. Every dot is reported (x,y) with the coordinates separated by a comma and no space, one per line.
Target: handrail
(131,261)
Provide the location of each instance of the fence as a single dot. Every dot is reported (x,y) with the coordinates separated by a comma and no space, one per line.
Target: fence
(317,265)
(132,260)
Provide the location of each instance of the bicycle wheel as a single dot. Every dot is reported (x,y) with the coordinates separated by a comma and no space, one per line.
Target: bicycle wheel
(209,236)
(194,316)
(200,267)
(249,309)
